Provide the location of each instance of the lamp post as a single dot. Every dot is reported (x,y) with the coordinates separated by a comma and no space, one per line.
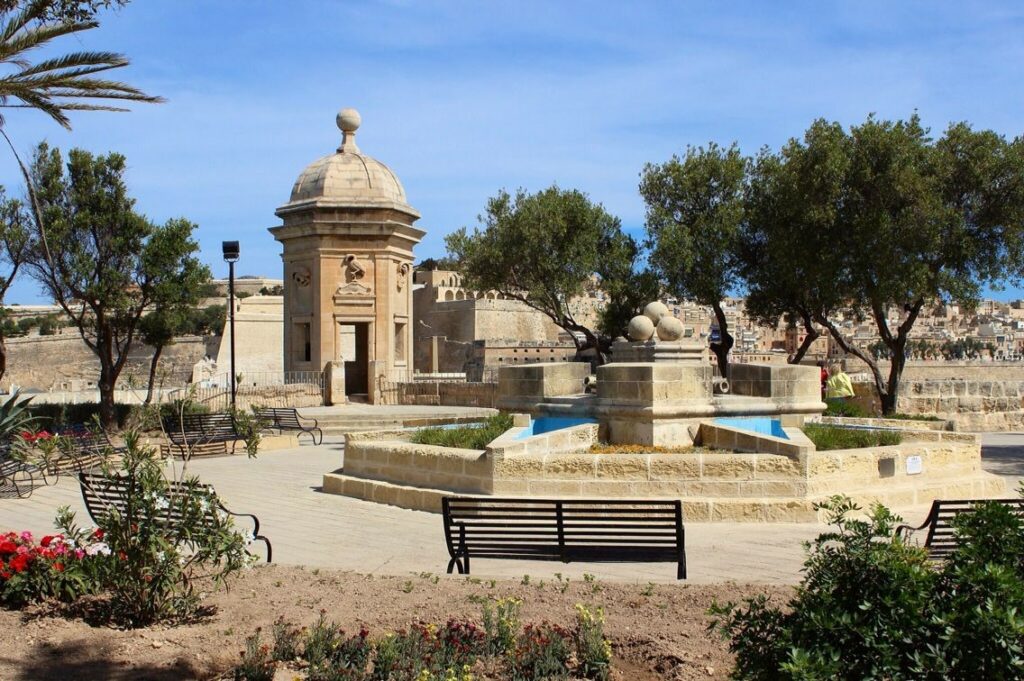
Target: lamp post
(230,249)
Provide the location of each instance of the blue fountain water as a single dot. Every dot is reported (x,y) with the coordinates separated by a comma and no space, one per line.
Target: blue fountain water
(761,425)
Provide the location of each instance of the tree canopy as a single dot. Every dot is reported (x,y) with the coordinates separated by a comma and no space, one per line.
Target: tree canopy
(543,249)
(104,263)
(695,210)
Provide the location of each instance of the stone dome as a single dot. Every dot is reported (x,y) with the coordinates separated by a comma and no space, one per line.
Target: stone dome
(348,177)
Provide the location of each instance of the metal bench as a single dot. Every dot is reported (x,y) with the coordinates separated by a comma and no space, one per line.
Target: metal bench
(16,474)
(941,539)
(598,530)
(86,448)
(287,418)
(188,431)
(104,493)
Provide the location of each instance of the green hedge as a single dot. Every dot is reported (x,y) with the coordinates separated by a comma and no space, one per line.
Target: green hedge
(54,416)
(837,437)
(465,437)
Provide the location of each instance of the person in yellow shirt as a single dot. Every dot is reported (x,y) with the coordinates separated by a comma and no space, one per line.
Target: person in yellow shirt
(839,384)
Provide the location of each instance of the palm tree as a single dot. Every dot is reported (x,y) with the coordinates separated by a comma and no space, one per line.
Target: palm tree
(58,85)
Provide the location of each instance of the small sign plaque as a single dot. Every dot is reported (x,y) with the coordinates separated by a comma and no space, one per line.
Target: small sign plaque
(914,466)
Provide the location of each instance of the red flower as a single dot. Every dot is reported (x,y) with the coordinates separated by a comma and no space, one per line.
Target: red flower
(122,555)
(7,547)
(20,562)
(46,540)
(97,533)
(5,574)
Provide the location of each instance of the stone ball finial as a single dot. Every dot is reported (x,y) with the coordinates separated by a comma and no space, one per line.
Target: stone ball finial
(348,120)
(655,311)
(669,328)
(641,328)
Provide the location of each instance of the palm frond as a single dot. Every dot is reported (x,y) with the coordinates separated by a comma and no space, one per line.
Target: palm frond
(54,84)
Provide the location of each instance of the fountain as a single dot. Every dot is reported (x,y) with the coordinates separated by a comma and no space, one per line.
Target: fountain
(660,424)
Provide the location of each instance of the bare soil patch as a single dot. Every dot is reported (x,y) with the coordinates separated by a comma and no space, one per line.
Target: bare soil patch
(657,632)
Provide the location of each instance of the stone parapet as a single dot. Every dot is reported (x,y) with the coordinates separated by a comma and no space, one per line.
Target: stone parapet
(542,380)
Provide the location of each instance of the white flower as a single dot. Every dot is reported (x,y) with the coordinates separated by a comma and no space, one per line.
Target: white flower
(162,503)
(98,549)
(248,537)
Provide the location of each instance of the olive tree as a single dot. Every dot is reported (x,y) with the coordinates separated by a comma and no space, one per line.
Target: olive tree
(104,263)
(791,250)
(695,211)
(544,249)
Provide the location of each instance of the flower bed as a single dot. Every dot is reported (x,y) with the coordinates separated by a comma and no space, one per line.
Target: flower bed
(459,650)
(55,567)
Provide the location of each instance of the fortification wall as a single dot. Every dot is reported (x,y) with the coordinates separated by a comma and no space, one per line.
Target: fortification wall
(65,362)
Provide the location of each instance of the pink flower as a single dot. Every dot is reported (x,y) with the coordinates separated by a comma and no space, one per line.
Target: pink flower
(26,536)
(79,553)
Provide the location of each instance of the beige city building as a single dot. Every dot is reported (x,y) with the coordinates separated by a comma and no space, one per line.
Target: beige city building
(348,240)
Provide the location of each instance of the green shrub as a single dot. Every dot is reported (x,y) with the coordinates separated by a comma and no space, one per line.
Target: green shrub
(139,417)
(913,417)
(465,437)
(837,437)
(841,407)
(873,607)
(157,566)
(55,416)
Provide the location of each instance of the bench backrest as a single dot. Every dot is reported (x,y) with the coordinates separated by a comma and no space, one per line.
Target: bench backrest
(104,493)
(86,440)
(201,424)
(565,529)
(279,416)
(942,539)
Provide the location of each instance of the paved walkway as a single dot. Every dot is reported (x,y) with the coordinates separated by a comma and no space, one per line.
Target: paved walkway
(308,527)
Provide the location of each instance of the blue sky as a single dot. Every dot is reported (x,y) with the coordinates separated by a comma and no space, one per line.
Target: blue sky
(461,99)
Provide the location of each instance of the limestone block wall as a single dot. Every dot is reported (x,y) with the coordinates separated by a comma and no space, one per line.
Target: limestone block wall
(969,404)
(449,394)
(781,382)
(398,461)
(64,362)
(534,381)
(645,382)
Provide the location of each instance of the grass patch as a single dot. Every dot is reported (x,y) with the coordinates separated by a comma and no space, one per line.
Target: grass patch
(464,437)
(912,417)
(840,407)
(834,437)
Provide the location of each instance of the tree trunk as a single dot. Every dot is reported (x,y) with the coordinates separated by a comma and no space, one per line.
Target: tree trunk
(725,341)
(152,373)
(811,334)
(108,413)
(851,349)
(898,352)
(3,357)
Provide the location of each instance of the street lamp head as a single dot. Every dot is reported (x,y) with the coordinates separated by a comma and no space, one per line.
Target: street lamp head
(230,249)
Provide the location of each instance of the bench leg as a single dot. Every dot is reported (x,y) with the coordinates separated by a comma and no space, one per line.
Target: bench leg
(681,570)
(457,563)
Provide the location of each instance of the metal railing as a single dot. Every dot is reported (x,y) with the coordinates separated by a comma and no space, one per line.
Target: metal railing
(265,388)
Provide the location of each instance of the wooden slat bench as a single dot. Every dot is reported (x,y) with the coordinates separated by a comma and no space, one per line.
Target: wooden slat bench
(941,539)
(102,493)
(597,530)
(187,432)
(287,418)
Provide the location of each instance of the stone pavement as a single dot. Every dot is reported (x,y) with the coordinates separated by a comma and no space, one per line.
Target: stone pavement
(308,527)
